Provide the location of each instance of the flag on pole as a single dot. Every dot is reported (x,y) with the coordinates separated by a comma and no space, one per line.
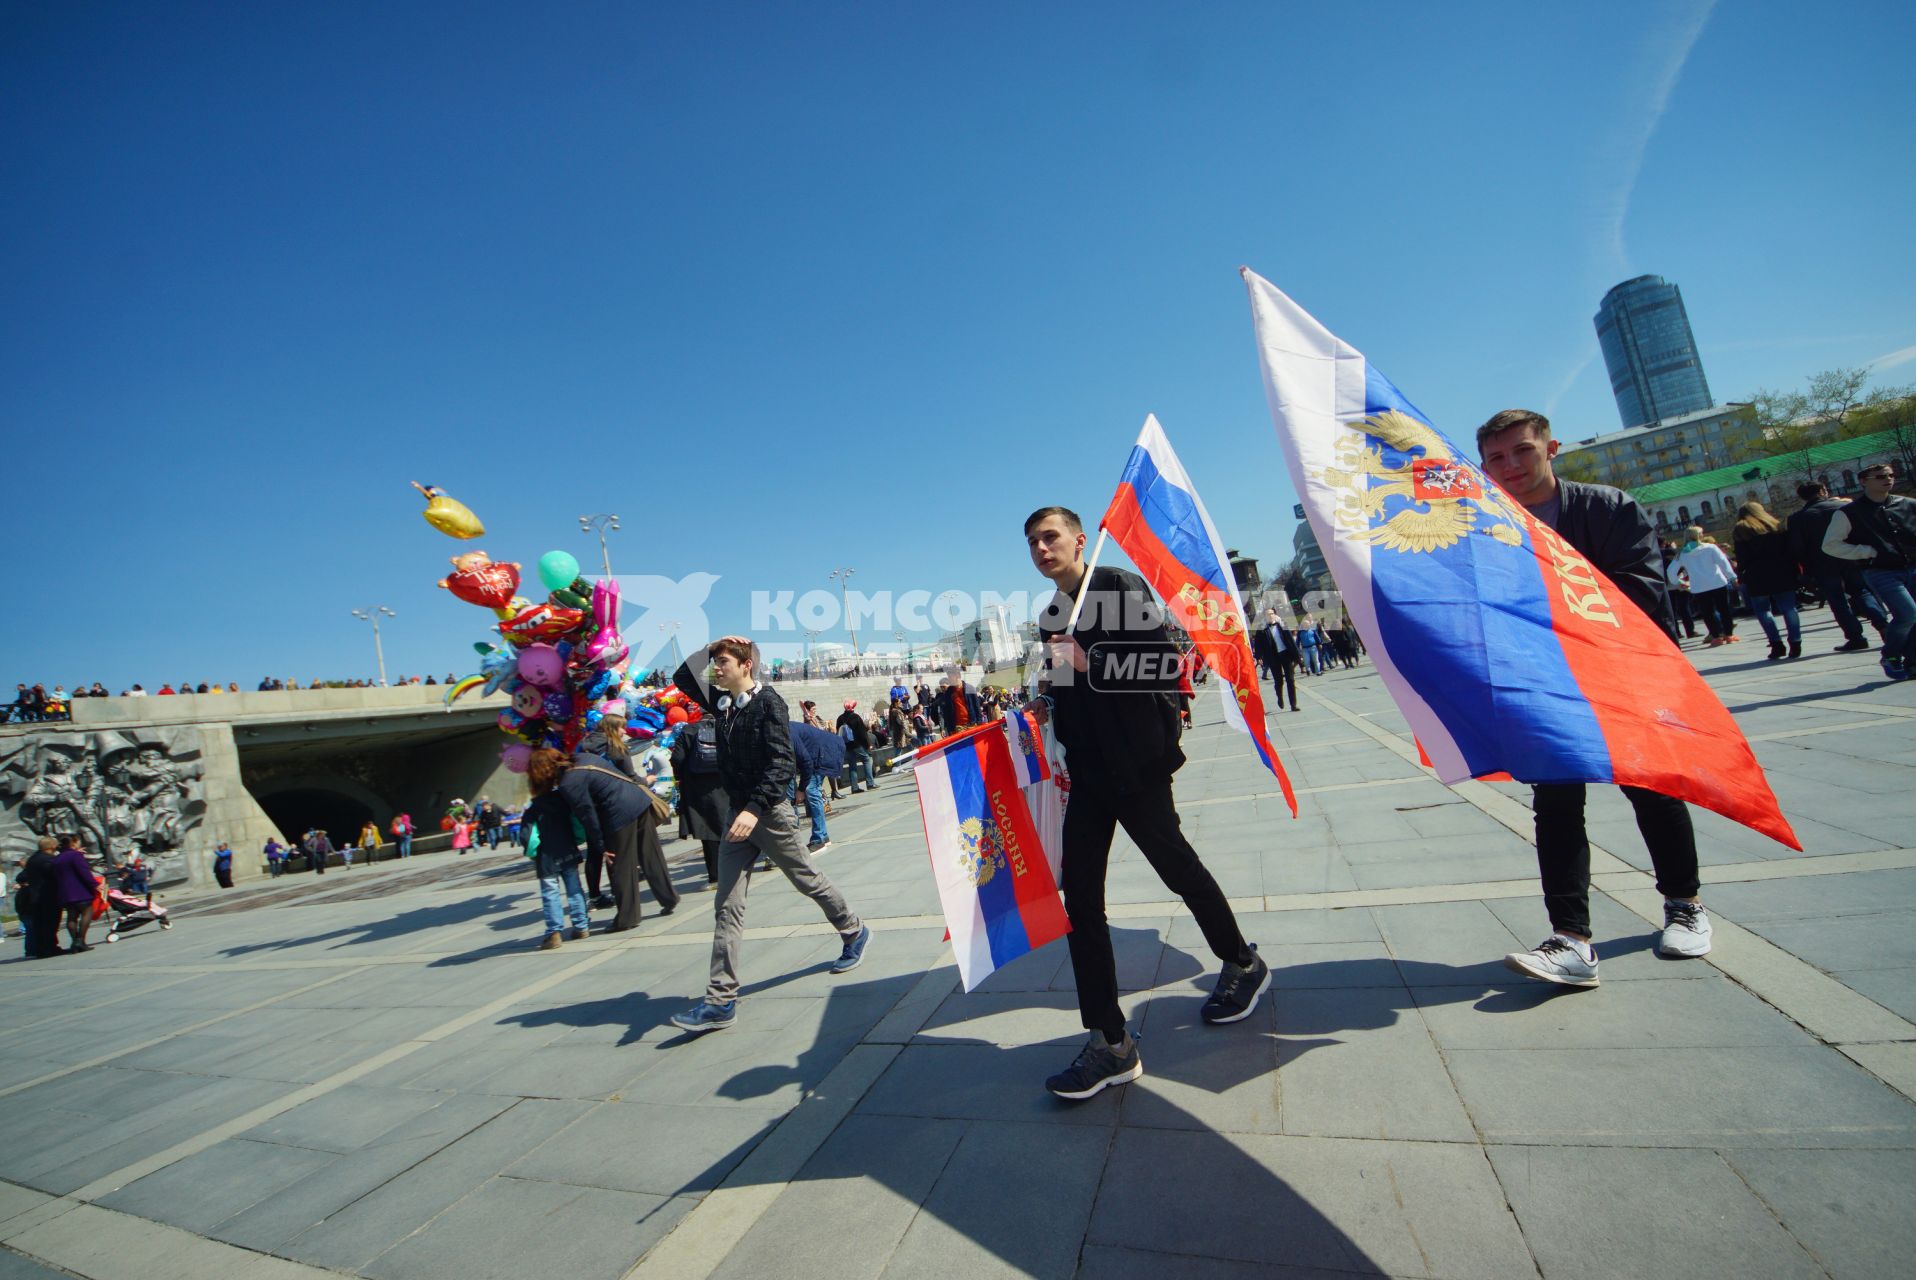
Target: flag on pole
(996,884)
(1026,744)
(1157,517)
(1502,645)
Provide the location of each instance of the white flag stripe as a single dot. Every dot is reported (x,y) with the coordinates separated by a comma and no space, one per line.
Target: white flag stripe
(957,896)
(1315,383)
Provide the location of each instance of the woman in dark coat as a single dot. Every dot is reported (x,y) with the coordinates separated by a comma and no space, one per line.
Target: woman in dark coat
(1766,566)
(615,809)
(704,809)
(37,903)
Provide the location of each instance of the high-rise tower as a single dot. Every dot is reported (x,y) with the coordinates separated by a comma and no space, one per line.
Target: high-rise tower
(1655,372)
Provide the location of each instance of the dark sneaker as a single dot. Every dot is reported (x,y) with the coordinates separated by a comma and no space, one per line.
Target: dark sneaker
(1858,645)
(817,847)
(1098,1066)
(854,953)
(706,1016)
(1796,649)
(1893,668)
(1237,991)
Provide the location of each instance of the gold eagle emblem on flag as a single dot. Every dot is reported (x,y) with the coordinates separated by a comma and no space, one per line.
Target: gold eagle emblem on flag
(1439,498)
(981,850)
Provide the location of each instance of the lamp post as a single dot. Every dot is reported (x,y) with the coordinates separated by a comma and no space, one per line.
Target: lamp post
(671,630)
(602,523)
(809,637)
(373,615)
(844,576)
(909,650)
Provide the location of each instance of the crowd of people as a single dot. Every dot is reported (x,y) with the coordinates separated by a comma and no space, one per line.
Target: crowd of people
(56,886)
(1855,554)
(35,703)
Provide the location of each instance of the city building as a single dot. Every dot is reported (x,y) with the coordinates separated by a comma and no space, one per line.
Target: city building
(1655,372)
(1664,450)
(992,640)
(1710,497)
(1311,571)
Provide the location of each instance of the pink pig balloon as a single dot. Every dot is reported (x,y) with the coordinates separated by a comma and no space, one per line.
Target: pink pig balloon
(541,664)
(516,757)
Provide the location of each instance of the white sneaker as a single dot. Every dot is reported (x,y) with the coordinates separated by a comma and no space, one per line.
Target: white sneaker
(1557,959)
(1686,930)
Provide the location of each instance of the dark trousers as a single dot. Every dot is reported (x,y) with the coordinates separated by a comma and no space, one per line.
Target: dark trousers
(1716,610)
(1563,849)
(1284,677)
(1848,598)
(711,848)
(1150,818)
(636,852)
(1681,612)
(42,928)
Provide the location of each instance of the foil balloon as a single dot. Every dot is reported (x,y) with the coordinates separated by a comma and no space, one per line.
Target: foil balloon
(576,594)
(542,665)
(455,692)
(447,514)
(477,580)
(540,622)
(528,700)
(497,664)
(515,756)
(606,644)
(558,706)
(676,715)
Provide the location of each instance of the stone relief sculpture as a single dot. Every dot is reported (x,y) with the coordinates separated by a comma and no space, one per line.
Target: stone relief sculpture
(119,792)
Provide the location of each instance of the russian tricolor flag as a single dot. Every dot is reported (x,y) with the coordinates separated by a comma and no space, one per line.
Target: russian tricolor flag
(1503,646)
(997,882)
(1157,517)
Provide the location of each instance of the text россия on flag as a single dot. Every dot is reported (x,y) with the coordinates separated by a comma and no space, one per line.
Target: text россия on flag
(1502,645)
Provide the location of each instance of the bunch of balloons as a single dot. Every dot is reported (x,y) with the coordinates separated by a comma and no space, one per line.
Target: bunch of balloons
(561,660)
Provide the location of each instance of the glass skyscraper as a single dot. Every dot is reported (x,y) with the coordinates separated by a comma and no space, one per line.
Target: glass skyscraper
(1655,372)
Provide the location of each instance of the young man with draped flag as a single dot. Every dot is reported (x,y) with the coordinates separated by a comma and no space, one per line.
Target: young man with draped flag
(1517,622)
(1110,694)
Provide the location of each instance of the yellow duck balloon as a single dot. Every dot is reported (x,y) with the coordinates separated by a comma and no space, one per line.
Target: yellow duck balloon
(449,515)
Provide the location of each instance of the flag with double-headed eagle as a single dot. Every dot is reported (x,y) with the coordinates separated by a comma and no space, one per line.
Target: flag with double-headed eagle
(1159,520)
(996,870)
(1503,646)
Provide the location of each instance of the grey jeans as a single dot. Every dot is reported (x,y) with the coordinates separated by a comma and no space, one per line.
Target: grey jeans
(775,836)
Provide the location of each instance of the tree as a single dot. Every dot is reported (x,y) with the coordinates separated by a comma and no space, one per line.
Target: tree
(1891,410)
(1833,395)
(1579,466)
(1780,426)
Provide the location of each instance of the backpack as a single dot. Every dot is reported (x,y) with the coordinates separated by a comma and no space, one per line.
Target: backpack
(701,752)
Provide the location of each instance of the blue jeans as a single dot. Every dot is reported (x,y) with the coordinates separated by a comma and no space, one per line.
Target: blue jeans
(1313,660)
(1896,588)
(405,845)
(560,896)
(1783,602)
(815,807)
(860,761)
(1848,598)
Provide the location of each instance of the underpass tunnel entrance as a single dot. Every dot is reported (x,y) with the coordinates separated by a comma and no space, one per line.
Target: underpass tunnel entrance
(300,809)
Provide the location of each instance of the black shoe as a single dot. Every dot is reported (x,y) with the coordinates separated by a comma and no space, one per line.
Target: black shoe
(1858,645)
(1097,1066)
(1776,651)
(1796,648)
(1237,991)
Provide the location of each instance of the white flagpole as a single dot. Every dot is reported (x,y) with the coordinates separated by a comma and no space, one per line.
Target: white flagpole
(1077,606)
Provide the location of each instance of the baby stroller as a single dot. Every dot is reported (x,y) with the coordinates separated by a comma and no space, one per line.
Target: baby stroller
(130,913)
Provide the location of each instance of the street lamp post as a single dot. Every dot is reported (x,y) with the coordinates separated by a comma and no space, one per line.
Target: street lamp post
(373,615)
(602,523)
(844,576)
(910,650)
(671,630)
(809,637)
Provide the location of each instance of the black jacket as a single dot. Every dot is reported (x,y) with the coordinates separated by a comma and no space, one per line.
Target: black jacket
(1766,563)
(1807,528)
(603,797)
(1118,719)
(551,816)
(755,740)
(1609,527)
(861,739)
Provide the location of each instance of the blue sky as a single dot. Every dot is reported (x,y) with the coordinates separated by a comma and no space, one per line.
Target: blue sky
(793,287)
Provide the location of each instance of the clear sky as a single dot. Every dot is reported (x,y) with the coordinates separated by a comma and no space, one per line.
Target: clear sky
(790,287)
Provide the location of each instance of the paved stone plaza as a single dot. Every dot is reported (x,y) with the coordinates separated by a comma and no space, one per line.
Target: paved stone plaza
(375,1074)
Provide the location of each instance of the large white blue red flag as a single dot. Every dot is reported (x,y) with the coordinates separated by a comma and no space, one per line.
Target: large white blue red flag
(1502,645)
(996,883)
(1157,517)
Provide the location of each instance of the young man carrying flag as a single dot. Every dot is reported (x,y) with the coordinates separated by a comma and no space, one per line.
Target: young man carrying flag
(1111,694)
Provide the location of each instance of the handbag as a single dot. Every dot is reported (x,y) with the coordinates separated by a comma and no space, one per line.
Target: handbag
(660,810)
